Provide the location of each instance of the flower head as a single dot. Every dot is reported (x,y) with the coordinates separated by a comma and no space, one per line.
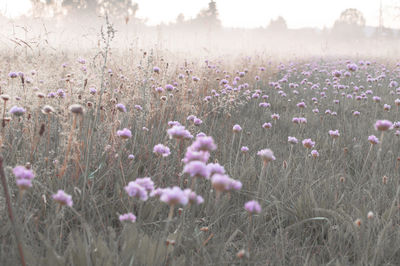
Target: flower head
(136,191)
(63,198)
(292,140)
(17,111)
(383,125)
(197,169)
(179,132)
(120,107)
(373,139)
(124,133)
(204,144)
(237,128)
(334,133)
(308,143)
(174,195)
(161,150)
(129,217)
(252,207)
(267,155)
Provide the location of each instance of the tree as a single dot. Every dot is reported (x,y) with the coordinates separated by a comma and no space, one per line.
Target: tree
(209,17)
(115,8)
(350,24)
(277,25)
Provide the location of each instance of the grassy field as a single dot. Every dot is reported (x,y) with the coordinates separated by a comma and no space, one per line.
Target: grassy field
(91,124)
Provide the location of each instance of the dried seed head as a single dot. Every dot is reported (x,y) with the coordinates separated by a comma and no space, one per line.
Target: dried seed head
(40,95)
(358,222)
(284,164)
(5,97)
(89,104)
(342,179)
(241,254)
(47,109)
(41,131)
(384,180)
(204,229)
(77,109)
(370,215)
(180,210)
(28,165)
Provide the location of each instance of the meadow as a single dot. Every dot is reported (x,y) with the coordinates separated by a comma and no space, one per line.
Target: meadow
(147,157)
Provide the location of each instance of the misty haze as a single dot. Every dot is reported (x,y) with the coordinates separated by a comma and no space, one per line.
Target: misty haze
(208,132)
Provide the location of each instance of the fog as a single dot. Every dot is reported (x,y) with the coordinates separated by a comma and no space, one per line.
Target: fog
(82,34)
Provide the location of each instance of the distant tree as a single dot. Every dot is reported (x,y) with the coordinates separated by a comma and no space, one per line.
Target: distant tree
(350,24)
(115,8)
(209,17)
(277,25)
(180,19)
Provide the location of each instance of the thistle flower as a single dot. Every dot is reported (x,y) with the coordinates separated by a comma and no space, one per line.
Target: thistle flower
(63,198)
(193,197)
(334,133)
(215,168)
(244,149)
(237,128)
(17,111)
(131,156)
(267,125)
(146,183)
(120,107)
(127,217)
(275,116)
(314,153)
(135,190)
(23,177)
(292,140)
(383,125)
(373,139)
(169,87)
(267,155)
(308,143)
(252,207)
(301,105)
(156,69)
(204,144)
(13,75)
(124,133)
(192,155)
(221,182)
(197,169)
(161,150)
(179,132)
(173,196)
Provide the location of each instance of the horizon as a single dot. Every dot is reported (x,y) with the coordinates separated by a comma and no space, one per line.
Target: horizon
(234,14)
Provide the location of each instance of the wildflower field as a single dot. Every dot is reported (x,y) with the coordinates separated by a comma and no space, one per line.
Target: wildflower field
(149,158)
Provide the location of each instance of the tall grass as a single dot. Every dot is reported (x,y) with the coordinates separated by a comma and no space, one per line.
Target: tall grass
(310,206)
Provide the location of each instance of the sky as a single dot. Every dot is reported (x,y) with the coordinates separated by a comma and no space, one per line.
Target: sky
(245,14)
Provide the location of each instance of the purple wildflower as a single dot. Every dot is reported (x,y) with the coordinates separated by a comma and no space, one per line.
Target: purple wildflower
(63,198)
(130,217)
(161,150)
(173,196)
(252,207)
(124,133)
(135,190)
(197,169)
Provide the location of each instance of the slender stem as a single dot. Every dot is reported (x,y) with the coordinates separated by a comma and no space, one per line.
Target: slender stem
(10,212)
(64,167)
